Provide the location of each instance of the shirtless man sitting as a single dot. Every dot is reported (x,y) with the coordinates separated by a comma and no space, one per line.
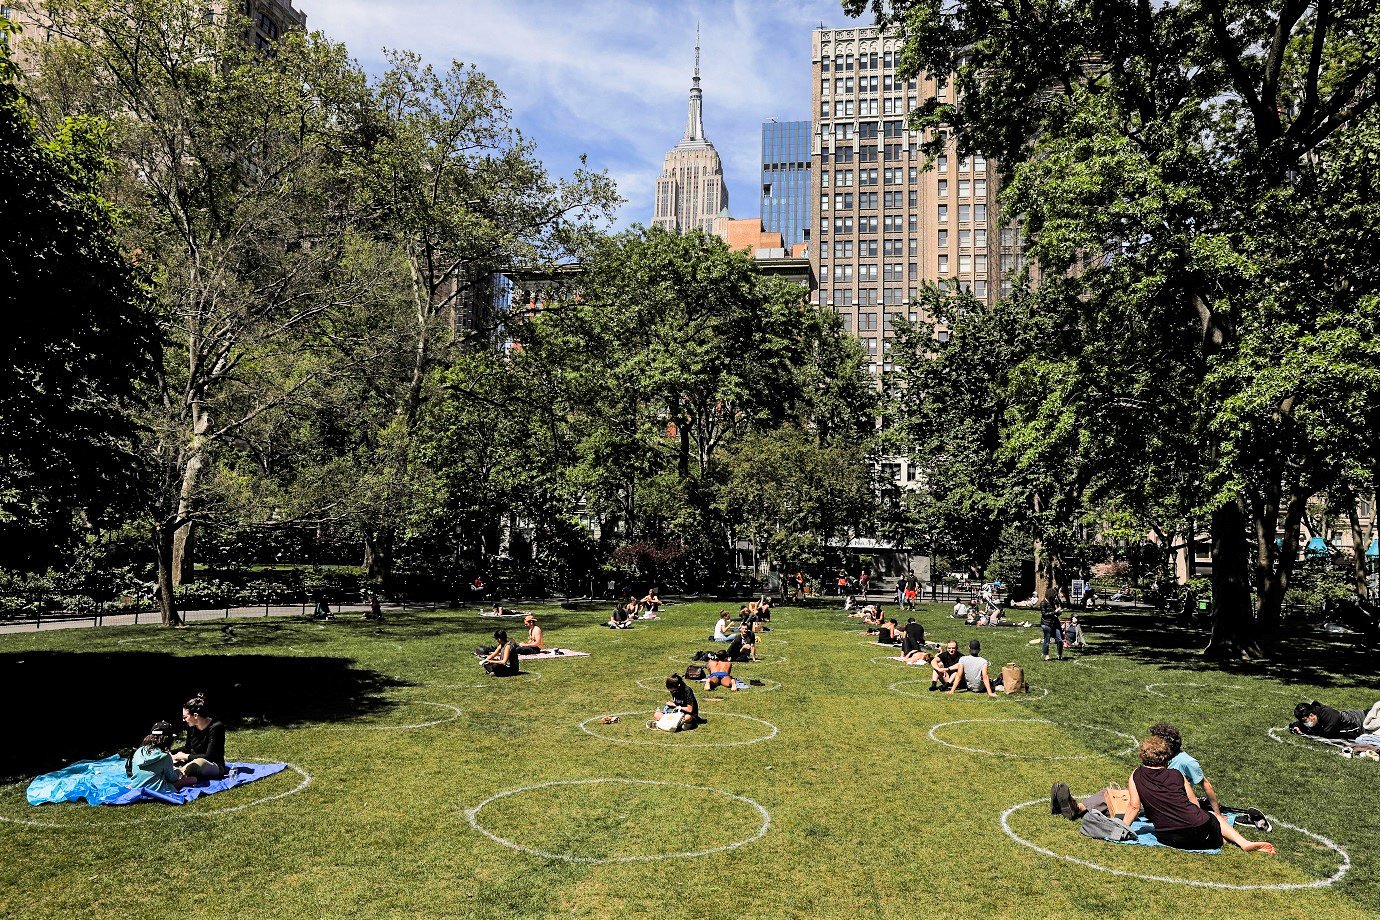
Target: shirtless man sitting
(535,637)
(720,673)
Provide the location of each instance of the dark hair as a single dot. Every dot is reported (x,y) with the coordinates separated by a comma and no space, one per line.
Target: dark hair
(1170,734)
(910,620)
(1303,710)
(892,621)
(674,682)
(196,705)
(501,635)
(974,646)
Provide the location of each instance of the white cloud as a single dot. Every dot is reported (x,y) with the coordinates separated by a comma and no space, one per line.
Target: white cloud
(611,79)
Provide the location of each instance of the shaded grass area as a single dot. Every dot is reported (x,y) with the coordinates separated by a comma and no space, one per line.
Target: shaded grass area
(869,815)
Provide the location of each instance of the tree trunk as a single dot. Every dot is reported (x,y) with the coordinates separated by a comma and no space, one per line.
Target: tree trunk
(1273,580)
(378,561)
(184,559)
(184,554)
(1359,544)
(1049,573)
(167,599)
(1233,623)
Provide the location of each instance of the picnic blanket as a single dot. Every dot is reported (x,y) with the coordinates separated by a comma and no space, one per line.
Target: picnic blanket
(555,653)
(104,782)
(1366,745)
(1145,834)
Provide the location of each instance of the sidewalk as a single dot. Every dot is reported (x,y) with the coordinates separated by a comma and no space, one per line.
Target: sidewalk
(151,617)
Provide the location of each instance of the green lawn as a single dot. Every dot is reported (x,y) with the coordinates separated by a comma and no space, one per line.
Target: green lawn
(861,813)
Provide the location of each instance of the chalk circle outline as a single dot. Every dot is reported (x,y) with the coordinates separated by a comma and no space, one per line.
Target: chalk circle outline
(1135,742)
(1017,697)
(1284,736)
(356,726)
(877,645)
(179,813)
(484,684)
(472,817)
(1332,845)
(662,687)
(773,659)
(584,727)
(885,659)
(1150,689)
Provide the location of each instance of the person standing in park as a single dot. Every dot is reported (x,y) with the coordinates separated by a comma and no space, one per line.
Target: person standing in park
(863,579)
(1051,628)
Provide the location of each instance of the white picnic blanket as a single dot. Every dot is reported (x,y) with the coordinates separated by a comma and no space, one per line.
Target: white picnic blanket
(555,653)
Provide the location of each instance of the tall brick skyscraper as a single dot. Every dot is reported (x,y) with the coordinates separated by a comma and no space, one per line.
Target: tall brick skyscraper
(691,190)
(882,225)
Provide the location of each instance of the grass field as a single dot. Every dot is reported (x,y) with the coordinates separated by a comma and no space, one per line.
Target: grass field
(833,772)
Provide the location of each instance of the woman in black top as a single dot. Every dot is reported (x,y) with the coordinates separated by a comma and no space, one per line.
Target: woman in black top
(203,757)
(1167,799)
(683,704)
(1051,629)
(503,660)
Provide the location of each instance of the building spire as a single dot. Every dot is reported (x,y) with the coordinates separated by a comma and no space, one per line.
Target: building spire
(694,122)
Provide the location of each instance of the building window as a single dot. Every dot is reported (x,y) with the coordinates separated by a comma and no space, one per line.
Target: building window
(867,272)
(941,164)
(965,264)
(943,263)
(867,200)
(824,202)
(843,249)
(913,272)
(980,188)
(965,188)
(965,213)
(868,297)
(979,163)
(867,249)
(867,322)
(980,289)
(965,238)
(943,188)
(980,237)
(943,237)
(980,213)
(867,224)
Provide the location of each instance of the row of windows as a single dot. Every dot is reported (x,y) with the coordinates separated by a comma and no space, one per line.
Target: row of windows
(895,296)
(841,86)
(867,60)
(967,214)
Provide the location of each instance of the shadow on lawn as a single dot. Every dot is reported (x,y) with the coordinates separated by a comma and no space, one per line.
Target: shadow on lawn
(66,706)
(1308,658)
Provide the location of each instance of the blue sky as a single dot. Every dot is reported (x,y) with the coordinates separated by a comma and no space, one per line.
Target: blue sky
(611,78)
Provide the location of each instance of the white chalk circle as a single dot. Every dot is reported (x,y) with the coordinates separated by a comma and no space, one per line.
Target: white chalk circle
(453,710)
(883,659)
(1284,736)
(1215,699)
(878,645)
(771,731)
(178,811)
(1038,693)
(472,816)
(660,682)
(1134,742)
(769,659)
(1332,845)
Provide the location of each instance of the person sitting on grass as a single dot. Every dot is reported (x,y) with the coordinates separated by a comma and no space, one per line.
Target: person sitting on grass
(1073,634)
(720,673)
(972,672)
(652,600)
(888,633)
(1188,765)
(744,645)
(203,756)
(723,628)
(944,666)
(536,639)
(1166,797)
(502,661)
(150,766)
(621,617)
(912,637)
(683,707)
(1325,722)
(764,609)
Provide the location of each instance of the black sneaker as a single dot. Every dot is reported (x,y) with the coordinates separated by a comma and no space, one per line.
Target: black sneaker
(1061,801)
(1257,817)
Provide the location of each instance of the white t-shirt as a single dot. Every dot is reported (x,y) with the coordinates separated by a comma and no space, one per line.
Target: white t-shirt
(973,666)
(960,609)
(724,629)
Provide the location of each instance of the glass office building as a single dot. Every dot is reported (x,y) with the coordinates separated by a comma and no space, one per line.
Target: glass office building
(786,149)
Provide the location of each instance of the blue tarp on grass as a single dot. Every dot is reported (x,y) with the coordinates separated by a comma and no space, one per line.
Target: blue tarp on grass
(1145,834)
(104,782)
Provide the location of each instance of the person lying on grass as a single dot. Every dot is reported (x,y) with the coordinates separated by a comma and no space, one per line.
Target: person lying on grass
(681,712)
(1325,722)
(744,645)
(972,672)
(723,628)
(502,661)
(867,613)
(203,756)
(1166,797)
(151,766)
(536,639)
(944,666)
(720,673)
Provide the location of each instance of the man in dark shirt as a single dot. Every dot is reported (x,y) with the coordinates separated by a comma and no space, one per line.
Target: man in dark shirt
(912,637)
(743,647)
(1325,722)
(945,666)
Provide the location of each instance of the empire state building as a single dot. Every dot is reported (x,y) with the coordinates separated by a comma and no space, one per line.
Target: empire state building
(691,190)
